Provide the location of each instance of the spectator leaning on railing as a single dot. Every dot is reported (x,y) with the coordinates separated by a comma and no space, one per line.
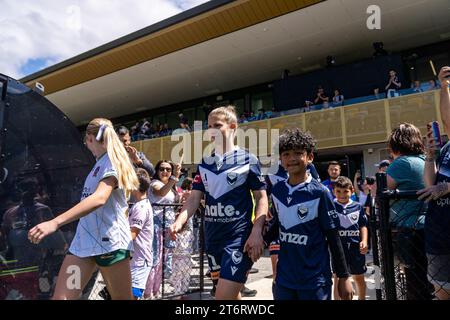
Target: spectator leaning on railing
(407,217)
(437,192)
(393,85)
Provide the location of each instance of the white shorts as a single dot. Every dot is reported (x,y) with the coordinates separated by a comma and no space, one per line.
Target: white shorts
(139,275)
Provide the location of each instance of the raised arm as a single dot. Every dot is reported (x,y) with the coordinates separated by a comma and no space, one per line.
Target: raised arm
(444,78)
(189,208)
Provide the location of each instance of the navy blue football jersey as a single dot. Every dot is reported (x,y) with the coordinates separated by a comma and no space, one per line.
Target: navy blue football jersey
(304,213)
(352,218)
(226,182)
(437,223)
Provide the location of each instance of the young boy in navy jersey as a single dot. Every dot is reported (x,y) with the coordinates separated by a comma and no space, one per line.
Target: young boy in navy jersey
(306,227)
(228,179)
(353,233)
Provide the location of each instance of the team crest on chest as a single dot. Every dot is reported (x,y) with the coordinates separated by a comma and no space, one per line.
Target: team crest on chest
(302,212)
(354,216)
(232,178)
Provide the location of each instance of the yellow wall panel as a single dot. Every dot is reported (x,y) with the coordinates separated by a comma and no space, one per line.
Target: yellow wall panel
(365,122)
(418,109)
(325,126)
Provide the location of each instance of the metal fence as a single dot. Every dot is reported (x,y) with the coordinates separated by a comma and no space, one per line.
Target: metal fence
(399,248)
(178,266)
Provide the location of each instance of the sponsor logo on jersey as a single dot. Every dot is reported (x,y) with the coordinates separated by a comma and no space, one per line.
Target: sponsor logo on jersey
(237,256)
(231,178)
(349,233)
(220,210)
(333,214)
(293,238)
(302,212)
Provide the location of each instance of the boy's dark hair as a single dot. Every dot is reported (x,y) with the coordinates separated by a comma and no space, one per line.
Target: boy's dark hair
(406,139)
(294,139)
(343,183)
(334,163)
(144,180)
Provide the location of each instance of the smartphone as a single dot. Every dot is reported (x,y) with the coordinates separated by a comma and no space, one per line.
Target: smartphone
(436,133)
(437,137)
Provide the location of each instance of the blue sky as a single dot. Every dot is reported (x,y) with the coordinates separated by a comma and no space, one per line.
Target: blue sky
(38,34)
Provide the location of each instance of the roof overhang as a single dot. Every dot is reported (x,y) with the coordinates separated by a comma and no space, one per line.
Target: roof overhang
(234,45)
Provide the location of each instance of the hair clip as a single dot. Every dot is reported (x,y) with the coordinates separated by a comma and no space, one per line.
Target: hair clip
(100,132)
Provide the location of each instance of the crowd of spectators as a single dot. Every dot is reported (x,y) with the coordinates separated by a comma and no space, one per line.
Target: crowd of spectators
(144,129)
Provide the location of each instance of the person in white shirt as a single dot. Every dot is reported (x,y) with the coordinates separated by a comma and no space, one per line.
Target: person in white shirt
(103,238)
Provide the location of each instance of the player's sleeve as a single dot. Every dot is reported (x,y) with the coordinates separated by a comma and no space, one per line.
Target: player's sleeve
(109,171)
(198,182)
(273,226)
(268,185)
(136,218)
(337,253)
(313,172)
(362,222)
(328,217)
(255,179)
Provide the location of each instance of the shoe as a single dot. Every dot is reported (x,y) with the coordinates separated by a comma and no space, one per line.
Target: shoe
(246,292)
(253,270)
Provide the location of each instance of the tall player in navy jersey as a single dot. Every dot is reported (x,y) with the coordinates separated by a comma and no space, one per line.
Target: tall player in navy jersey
(227,178)
(307,228)
(353,233)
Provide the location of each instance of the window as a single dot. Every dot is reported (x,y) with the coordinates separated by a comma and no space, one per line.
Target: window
(262,100)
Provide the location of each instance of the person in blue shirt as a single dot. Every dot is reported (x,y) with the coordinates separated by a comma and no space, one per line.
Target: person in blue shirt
(227,179)
(334,171)
(437,193)
(353,233)
(307,227)
(407,216)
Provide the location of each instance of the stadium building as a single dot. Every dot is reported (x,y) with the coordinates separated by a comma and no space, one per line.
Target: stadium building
(270,56)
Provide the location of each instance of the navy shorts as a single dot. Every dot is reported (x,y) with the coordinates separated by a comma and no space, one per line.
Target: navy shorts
(356,262)
(283,293)
(229,262)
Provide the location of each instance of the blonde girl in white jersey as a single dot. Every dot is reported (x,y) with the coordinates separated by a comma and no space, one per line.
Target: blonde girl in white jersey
(103,238)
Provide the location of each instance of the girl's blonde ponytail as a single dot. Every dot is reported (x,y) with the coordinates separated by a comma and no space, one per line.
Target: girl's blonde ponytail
(126,175)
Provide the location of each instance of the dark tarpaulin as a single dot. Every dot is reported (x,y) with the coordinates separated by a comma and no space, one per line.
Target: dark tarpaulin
(43,164)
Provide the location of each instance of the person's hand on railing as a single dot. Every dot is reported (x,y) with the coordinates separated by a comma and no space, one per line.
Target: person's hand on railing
(434,192)
(174,229)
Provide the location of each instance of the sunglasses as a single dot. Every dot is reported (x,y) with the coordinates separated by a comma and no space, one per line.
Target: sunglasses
(165,169)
